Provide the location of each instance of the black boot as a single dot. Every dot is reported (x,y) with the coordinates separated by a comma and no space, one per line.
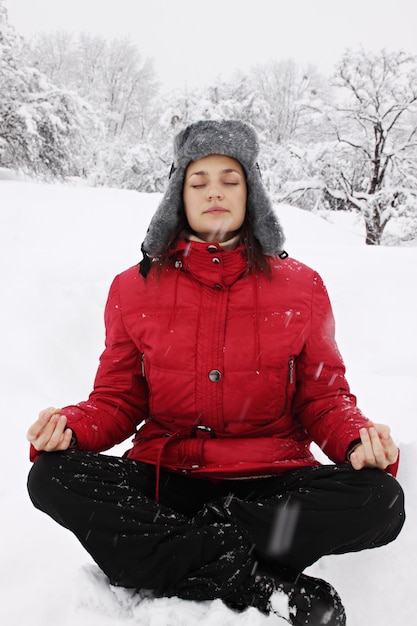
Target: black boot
(312,602)
(257,593)
(305,601)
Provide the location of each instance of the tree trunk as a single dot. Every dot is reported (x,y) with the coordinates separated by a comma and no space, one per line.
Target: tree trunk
(373,229)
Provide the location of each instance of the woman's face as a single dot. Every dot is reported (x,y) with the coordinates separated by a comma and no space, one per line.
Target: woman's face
(215,197)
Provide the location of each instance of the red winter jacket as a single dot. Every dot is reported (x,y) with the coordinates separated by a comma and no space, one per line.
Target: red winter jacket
(226,373)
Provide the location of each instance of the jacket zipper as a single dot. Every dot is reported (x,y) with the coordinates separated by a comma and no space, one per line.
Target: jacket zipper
(143,365)
(291,370)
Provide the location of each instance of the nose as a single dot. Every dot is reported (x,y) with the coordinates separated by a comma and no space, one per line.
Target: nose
(213,191)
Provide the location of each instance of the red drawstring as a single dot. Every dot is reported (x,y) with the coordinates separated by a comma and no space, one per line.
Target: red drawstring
(168,439)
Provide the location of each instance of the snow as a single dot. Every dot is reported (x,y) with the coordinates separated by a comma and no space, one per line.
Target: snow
(60,247)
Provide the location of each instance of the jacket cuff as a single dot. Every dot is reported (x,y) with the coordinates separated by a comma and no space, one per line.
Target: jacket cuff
(34,454)
(393,469)
(352,448)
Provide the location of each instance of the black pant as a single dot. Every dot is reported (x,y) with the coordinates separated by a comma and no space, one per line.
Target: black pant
(205,538)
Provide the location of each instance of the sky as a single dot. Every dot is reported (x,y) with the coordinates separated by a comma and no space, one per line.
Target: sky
(192,43)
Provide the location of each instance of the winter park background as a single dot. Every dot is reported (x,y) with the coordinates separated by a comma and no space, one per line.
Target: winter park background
(85,146)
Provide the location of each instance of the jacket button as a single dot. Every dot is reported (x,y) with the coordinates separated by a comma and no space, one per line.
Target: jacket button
(212,249)
(215,259)
(218,286)
(214,376)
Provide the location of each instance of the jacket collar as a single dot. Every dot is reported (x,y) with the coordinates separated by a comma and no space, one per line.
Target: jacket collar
(209,263)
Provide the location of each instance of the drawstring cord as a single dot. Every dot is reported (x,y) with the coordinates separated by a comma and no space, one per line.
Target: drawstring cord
(195,432)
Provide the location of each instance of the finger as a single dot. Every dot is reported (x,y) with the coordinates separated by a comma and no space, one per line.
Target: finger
(37,427)
(379,448)
(388,443)
(373,449)
(42,428)
(63,443)
(379,451)
(58,422)
(367,447)
(42,439)
(46,414)
(357,458)
(391,452)
(35,431)
(382,429)
(66,439)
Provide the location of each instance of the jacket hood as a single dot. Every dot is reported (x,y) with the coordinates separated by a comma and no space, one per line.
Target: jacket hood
(229,138)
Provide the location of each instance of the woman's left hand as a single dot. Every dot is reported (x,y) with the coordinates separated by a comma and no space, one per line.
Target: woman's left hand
(377,448)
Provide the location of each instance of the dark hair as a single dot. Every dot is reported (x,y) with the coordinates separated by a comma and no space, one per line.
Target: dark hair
(255,257)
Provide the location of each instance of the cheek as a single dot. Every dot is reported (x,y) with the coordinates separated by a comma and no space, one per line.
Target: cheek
(242,205)
(189,214)
(188,206)
(243,197)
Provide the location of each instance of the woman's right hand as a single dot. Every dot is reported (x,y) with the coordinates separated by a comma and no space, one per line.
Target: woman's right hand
(49,432)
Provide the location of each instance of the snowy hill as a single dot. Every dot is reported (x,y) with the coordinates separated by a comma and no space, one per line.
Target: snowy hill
(60,247)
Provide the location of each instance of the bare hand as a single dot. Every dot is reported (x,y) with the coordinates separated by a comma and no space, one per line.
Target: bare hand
(377,448)
(48,433)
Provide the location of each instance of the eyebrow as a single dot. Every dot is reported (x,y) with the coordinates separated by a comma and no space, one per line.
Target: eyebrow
(227,170)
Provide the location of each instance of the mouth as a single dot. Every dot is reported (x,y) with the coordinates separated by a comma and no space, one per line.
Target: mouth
(215,210)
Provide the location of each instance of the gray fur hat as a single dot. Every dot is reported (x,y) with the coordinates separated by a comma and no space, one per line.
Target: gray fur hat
(230,138)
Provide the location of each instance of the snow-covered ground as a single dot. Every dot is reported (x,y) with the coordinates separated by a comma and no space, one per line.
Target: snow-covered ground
(60,247)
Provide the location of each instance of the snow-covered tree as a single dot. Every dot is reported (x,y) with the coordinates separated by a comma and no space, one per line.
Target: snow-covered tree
(53,56)
(120,86)
(294,97)
(41,126)
(377,125)
(110,74)
(369,165)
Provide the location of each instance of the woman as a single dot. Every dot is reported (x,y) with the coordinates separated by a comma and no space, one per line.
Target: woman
(220,357)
